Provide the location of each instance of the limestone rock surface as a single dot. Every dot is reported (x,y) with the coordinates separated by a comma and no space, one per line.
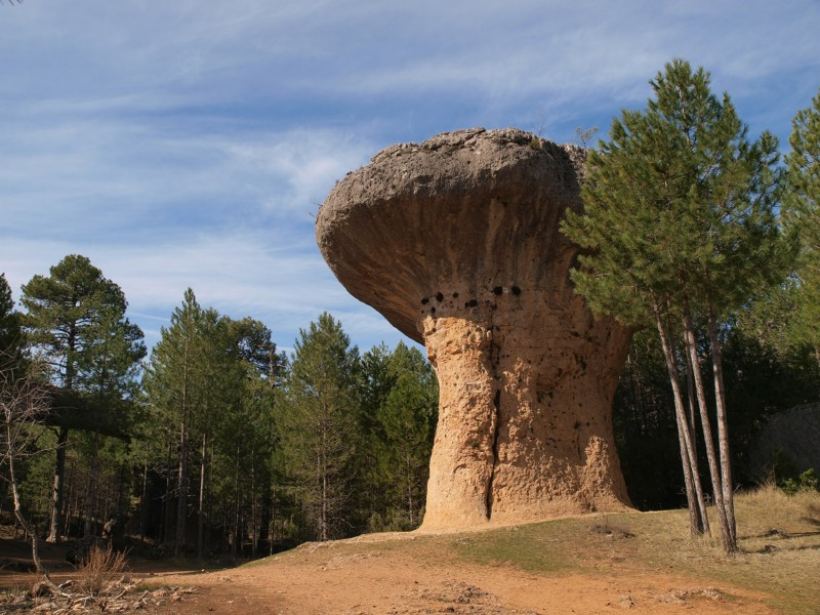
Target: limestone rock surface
(456,241)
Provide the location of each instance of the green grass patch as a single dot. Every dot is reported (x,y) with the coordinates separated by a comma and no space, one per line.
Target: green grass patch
(526,547)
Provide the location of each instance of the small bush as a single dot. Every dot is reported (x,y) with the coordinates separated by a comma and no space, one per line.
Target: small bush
(99,565)
(807,481)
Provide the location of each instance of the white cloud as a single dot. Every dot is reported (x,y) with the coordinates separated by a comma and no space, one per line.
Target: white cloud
(305,163)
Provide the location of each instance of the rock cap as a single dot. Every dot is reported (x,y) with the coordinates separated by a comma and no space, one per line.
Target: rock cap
(422,219)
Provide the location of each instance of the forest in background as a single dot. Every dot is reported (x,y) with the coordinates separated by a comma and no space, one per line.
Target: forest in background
(216,442)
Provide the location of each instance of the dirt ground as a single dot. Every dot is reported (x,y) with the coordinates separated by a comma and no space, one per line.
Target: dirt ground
(593,564)
(340,578)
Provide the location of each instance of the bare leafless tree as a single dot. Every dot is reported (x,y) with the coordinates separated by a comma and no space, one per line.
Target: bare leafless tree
(23,406)
(585,135)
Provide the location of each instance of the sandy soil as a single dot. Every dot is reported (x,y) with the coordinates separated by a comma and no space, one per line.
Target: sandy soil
(332,579)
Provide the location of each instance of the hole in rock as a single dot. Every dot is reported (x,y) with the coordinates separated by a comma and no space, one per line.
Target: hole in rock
(516,291)
(439,297)
(471,303)
(455,295)
(498,290)
(425,301)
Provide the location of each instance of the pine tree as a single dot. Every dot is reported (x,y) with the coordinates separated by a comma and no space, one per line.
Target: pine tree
(73,320)
(679,230)
(243,423)
(407,418)
(171,380)
(372,483)
(318,426)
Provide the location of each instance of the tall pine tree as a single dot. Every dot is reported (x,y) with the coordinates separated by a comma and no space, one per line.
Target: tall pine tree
(173,382)
(75,321)
(679,230)
(407,418)
(318,426)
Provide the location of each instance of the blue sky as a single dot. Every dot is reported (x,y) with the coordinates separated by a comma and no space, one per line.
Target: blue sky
(189,143)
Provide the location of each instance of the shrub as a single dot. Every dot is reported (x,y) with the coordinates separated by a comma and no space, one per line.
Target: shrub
(99,565)
(807,481)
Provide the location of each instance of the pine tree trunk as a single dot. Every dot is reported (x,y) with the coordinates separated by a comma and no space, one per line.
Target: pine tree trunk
(687,452)
(91,492)
(695,520)
(322,496)
(200,526)
(144,510)
(55,522)
(690,408)
(182,472)
(182,475)
(71,498)
(253,504)
(723,428)
(236,543)
(167,511)
(272,524)
(708,439)
(324,533)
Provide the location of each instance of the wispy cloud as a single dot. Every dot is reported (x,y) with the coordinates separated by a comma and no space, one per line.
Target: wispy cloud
(270,276)
(96,177)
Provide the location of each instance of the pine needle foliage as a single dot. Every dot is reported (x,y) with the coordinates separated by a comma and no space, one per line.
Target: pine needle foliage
(802,217)
(679,205)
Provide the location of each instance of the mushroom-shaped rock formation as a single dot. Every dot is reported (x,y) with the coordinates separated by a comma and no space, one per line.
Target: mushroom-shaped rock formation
(456,241)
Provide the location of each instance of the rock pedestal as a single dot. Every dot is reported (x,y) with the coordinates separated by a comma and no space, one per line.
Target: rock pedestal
(524,429)
(456,242)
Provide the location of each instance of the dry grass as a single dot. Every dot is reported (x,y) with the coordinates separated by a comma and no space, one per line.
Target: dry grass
(99,566)
(779,543)
(768,507)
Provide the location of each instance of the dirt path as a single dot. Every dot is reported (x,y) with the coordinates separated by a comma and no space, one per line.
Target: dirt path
(331,580)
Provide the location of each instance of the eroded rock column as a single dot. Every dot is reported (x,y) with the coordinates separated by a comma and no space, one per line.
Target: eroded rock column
(462,461)
(524,432)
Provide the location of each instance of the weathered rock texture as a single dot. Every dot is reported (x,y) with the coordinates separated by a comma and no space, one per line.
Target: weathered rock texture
(456,242)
